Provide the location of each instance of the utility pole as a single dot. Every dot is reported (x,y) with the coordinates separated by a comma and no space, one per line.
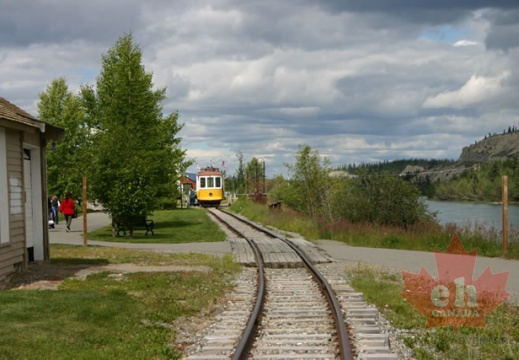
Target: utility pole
(85,208)
(505,213)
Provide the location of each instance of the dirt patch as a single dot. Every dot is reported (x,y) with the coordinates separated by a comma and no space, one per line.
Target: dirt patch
(44,276)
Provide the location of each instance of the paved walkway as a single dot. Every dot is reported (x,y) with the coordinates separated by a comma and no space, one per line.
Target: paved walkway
(98,220)
(399,260)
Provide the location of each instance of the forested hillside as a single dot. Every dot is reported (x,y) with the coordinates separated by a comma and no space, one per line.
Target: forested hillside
(483,182)
(396,167)
(476,175)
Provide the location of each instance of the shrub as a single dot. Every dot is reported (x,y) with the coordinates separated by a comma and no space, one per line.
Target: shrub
(167,204)
(383,199)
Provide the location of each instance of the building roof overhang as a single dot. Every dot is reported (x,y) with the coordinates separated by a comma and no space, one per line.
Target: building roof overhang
(22,120)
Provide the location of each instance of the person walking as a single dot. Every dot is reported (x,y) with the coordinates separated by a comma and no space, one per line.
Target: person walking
(68,208)
(55,207)
(50,214)
(192,197)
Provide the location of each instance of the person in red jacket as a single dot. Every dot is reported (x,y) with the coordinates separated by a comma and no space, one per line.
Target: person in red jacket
(68,208)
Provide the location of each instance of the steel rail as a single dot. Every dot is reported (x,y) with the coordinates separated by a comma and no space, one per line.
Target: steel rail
(345,349)
(247,339)
(245,344)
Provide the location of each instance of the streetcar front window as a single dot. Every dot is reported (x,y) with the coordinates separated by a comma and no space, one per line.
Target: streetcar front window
(202,182)
(210,182)
(218,182)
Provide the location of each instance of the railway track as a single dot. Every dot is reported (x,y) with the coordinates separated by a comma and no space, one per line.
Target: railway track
(283,307)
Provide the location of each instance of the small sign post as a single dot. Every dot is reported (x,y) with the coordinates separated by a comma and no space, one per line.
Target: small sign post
(85,211)
(505,213)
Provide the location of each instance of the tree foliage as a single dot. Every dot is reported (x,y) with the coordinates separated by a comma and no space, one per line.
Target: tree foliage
(306,192)
(482,182)
(137,156)
(370,197)
(68,162)
(384,199)
(395,167)
(240,179)
(249,177)
(255,176)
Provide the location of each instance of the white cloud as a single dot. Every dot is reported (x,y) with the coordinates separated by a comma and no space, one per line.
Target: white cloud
(476,90)
(465,43)
(355,80)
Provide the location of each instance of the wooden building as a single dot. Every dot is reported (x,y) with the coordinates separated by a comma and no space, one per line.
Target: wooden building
(24,235)
(189,181)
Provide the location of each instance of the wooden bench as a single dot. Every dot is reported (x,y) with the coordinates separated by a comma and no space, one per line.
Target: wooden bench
(140,223)
(275,206)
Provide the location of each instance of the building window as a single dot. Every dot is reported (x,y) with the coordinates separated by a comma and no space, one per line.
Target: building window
(4,195)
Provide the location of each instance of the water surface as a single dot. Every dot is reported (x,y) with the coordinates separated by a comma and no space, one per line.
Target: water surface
(470,213)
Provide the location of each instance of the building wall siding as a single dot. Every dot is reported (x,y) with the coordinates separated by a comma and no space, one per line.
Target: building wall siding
(13,254)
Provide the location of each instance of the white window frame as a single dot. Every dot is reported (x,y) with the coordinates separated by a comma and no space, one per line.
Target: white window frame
(4,193)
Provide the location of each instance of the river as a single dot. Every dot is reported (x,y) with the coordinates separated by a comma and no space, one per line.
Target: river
(469,213)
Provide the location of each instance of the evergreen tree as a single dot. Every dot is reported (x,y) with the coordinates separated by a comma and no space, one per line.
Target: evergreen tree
(255,176)
(241,181)
(138,158)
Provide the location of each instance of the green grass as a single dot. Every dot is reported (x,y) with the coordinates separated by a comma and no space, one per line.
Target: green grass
(285,219)
(130,317)
(106,316)
(102,255)
(171,227)
(425,236)
(498,340)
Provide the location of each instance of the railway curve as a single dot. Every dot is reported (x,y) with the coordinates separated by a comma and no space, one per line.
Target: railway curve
(284,308)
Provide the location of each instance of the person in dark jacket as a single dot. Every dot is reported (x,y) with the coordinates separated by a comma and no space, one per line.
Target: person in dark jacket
(55,207)
(192,198)
(68,208)
(51,214)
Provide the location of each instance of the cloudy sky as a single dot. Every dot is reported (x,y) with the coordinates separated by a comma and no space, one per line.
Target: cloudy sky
(357,80)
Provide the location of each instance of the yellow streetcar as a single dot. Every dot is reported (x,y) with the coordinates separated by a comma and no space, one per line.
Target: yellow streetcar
(209,187)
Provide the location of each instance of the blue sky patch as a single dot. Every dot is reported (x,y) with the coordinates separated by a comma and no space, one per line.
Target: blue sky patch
(445,33)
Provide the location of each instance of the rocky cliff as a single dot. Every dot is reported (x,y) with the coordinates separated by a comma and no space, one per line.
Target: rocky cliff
(490,149)
(493,148)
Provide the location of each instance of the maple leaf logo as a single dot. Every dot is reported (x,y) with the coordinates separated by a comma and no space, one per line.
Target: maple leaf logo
(455,299)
